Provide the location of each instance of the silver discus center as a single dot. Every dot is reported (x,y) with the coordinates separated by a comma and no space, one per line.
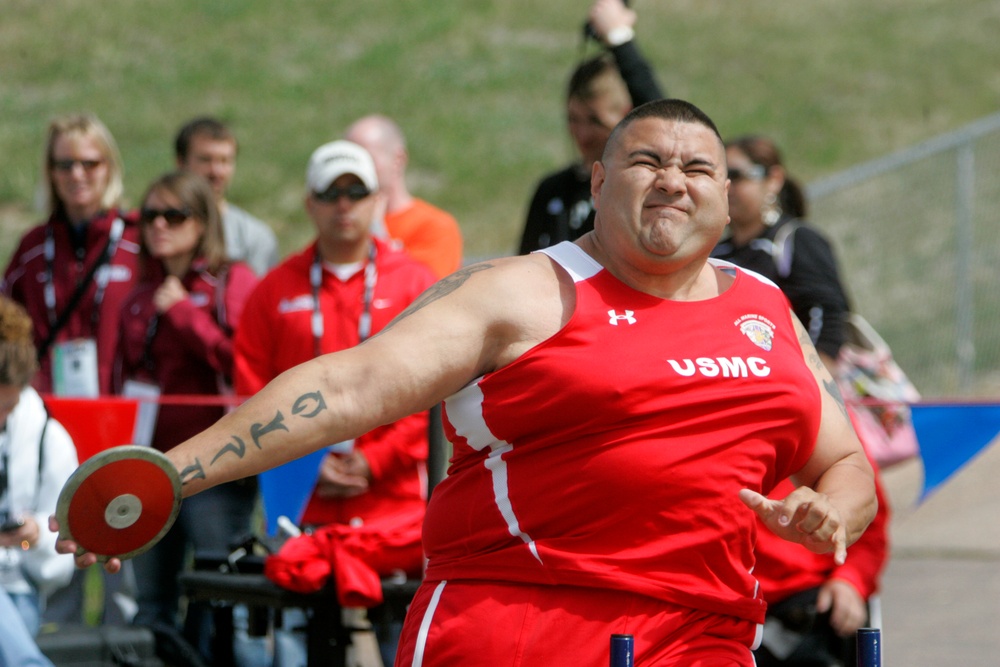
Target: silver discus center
(123,511)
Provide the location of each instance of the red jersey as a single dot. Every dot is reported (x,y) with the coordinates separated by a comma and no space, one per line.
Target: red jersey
(630,481)
(277,334)
(32,268)
(190,349)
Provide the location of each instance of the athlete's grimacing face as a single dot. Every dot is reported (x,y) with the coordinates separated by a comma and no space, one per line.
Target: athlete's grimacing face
(661,191)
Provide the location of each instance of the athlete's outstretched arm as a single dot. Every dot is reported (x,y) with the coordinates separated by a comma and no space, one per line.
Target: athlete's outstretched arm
(836,500)
(474,321)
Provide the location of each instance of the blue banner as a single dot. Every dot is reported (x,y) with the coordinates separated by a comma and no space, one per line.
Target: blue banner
(950,436)
(285,490)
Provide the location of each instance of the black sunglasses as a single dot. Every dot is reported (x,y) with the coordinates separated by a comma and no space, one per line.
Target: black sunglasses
(174,216)
(754,172)
(67,165)
(355,192)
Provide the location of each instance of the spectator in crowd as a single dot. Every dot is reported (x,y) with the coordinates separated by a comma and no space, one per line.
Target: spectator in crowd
(71,274)
(37,456)
(208,147)
(768,234)
(342,289)
(815,605)
(177,332)
(607,476)
(601,91)
(427,233)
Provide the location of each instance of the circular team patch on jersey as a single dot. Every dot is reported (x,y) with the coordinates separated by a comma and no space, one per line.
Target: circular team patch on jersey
(758,330)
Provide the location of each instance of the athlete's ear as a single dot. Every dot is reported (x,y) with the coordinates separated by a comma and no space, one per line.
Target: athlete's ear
(597,176)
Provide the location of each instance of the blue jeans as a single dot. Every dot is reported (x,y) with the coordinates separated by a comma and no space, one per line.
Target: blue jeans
(17,642)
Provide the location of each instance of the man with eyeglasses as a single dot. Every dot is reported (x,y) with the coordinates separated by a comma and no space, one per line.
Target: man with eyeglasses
(336,293)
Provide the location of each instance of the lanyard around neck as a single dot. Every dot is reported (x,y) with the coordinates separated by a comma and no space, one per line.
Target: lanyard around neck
(316,281)
(101,278)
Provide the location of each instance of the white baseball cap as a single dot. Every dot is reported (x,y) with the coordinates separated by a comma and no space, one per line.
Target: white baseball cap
(331,161)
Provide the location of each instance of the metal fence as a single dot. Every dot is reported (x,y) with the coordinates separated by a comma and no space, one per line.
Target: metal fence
(917,234)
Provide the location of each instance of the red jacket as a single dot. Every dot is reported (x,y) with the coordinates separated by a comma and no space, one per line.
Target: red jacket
(276,334)
(191,350)
(25,278)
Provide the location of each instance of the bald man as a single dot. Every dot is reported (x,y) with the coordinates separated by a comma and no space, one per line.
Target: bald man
(427,233)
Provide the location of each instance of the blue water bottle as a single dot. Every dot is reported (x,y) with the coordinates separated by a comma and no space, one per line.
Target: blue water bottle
(622,651)
(869,647)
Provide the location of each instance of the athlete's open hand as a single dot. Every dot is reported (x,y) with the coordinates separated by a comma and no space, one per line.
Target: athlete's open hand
(804,516)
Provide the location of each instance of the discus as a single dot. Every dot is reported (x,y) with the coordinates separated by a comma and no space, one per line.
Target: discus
(120,502)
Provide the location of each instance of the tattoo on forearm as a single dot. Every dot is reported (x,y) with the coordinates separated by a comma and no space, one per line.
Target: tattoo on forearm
(812,356)
(834,391)
(236,446)
(439,290)
(192,472)
(309,405)
(257,431)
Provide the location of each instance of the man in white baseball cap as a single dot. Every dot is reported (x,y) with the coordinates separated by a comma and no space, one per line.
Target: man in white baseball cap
(332,295)
(333,160)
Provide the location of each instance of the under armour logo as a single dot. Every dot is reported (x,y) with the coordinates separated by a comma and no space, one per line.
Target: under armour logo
(615,317)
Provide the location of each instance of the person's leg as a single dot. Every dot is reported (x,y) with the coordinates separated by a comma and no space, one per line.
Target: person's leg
(156,571)
(17,643)
(290,640)
(65,605)
(27,605)
(120,605)
(215,520)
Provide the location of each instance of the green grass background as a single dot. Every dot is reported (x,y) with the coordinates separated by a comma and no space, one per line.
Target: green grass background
(477,86)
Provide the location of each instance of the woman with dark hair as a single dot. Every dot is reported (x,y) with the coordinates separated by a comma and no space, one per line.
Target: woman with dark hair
(767,234)
(177,333)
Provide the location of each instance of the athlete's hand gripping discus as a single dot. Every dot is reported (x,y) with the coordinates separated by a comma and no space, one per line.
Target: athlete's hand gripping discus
(120,502)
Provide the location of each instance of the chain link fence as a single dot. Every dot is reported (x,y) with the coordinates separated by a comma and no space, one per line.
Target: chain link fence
(918,240)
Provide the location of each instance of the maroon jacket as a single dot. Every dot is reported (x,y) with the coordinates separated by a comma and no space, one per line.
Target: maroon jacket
(25,279)
(190,350)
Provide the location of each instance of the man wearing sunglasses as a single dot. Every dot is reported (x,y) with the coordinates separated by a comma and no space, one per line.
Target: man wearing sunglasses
(336,293)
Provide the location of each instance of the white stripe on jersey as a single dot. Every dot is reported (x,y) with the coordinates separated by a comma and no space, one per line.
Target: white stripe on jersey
(465,412)
(577,263)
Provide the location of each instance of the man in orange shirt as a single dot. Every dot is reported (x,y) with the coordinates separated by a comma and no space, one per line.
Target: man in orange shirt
(427,233)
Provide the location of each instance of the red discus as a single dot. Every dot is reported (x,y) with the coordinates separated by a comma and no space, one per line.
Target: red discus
(120,502)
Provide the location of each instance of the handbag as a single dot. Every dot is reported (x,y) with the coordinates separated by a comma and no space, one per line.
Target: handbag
(878,394)
(876,389)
